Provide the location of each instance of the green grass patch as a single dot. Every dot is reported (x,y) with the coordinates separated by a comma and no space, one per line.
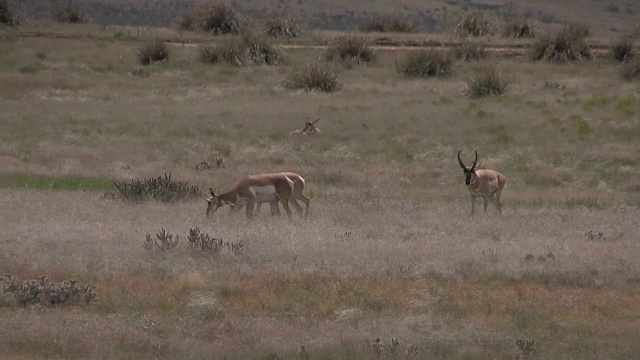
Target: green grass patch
(45,182)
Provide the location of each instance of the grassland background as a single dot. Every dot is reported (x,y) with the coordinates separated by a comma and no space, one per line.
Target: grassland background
(389,251)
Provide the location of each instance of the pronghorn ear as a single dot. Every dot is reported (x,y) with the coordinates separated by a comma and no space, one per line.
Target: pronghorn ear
(212,193)
(208,201)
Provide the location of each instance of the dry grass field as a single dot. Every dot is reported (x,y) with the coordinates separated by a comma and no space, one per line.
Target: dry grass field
(389,250)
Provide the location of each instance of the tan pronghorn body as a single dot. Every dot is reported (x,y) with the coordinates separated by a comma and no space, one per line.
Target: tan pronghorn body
(252,188)
(308,129)
(484,183)
(298,188)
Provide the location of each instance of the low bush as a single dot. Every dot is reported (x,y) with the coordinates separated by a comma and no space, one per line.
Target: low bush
(313,78)
(351,48)
(242,51)
(425,63)
(152,51)
(470,51)
(8,14)
(160,189)
(283,26)
(210,245)
(622,49)
(164,241)
(42,291)
(485,82)
(389,23)
(216,17)
(568,45)
(524,28)
(472,24)
(70,12)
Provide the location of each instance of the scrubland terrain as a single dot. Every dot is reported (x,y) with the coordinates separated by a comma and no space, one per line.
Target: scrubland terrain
(389,251)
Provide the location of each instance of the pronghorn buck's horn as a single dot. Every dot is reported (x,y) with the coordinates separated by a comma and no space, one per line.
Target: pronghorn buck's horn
(484,183)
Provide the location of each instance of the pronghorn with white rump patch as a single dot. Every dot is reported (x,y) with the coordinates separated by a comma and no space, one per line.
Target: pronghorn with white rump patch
(484,183)
(298,188)
(252,188)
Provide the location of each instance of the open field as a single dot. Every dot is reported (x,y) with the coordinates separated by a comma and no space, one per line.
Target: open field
(389,249)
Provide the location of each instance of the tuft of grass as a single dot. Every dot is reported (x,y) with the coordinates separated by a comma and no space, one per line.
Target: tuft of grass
(245,50)
(568,45)
(42,182)
(215,17)
(160,189)
(622,49)
(425,63)
(313,78)
(472,24)
(523,28)
(287,26)
(152,51)
(70,12)
(389,23)
(470,51)
(351,48)
(486,81)
(8,14)
(631,70)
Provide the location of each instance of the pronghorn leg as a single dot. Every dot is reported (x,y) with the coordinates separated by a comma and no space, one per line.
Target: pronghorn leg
(275,209)
(485,202)
(306,202)
(295,204)
(498,203)
(284,198)
(250,208)
(473,204)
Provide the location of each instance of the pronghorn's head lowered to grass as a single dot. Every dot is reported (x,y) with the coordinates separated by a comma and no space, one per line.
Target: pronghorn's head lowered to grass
(308,129)
(484,183)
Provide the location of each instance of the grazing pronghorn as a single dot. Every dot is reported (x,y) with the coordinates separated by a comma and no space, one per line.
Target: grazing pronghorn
(298,188)
(252,188)
(484,183)
(308,129)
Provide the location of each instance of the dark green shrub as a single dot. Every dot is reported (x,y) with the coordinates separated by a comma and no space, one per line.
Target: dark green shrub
(469,51)
(314,78)
(283,26)
(631,70)
(472,24)
(152,51)
(71,12)
(242,51)
(486,81)
(524,28)
(160,189)
(8,14)
(622,49)
(351,48)
(425,63)
(389,23)
(568,45)
(218,18)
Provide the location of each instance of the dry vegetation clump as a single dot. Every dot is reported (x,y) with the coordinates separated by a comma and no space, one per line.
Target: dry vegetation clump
(425,63)
(215,17)
(486,81)
(164,241)
(8,14)
(288,26)
(389,23)
(313,77)
(41,291)
(71,12)
(470,51)
(245,50)
(152,51)
(568,45)
(622,49)
(523,28)
(472,24)
(210,245)
(631,70)
(351,48)
(160,189)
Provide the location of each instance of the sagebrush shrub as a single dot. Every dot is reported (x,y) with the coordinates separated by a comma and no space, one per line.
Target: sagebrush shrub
(524,28)
(288,26)
(622,49)
(351,48)
(160,189)
(215,17)
(244,50)
(44,292)
(469,51)
(472,24)
(568,45)
(314,78)
(164,241)
(486,81)
(71,12)
(389,23)
(425,63)
(152,51)
(8,14)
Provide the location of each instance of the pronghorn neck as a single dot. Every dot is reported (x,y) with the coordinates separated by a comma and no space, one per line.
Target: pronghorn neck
(230,197)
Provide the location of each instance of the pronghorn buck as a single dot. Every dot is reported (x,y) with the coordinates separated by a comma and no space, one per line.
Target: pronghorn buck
(484,183)
(298,188)
(308,129)
(252,188)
